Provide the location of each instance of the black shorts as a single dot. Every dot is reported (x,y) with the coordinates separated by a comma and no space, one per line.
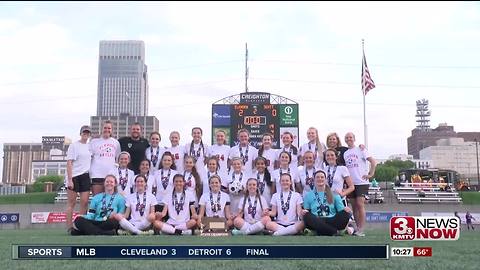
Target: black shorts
(360,191)
(159,208)
(98,181)
(81,183)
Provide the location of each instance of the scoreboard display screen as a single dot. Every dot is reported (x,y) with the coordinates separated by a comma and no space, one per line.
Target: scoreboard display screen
(256,114)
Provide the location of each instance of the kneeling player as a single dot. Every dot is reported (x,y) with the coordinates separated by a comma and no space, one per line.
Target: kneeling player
(254,210)
(215,203)
(287,206)
(180,207)
(324,210)
(140,208)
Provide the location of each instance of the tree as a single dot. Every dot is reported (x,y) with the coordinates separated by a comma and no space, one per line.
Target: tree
(385,173)
(39,185)
(399,164)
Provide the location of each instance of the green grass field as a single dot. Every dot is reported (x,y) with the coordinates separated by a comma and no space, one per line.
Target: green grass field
(29,198)
(470,197)
(446,254)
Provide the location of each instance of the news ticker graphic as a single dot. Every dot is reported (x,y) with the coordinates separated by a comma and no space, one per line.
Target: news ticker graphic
(411,252)
(254,252)
(424,228)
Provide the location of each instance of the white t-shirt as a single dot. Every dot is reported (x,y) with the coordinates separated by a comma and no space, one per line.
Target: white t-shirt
(313,148)
(191,183)
(125,179)
(198,152)
(356,161)
(335,177)
(104,154)
(270,155)
(155,157)
(144,200)
(276,176)
(206,175)
(256,209)
(80,154)
(306,178)
(294,162)
(176,218)
(291,216)
(178,155)
(220,200)
(163,181)
(221,152)
(263,187)
(247,157)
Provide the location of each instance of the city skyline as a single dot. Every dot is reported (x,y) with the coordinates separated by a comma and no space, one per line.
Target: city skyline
(310,53)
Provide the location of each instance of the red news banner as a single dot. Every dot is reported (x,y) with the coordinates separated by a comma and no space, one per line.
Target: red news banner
(424,228)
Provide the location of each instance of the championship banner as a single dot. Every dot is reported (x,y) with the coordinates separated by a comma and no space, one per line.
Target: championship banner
(252,252)
(50,217)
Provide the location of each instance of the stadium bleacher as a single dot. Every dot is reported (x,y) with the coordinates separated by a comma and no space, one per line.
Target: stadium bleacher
(375,195)
(427,193)
(62,195)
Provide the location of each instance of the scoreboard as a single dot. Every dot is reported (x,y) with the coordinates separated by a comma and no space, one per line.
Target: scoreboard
(256,114)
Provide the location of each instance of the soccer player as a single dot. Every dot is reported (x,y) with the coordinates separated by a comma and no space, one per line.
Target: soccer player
(105,151)
(220,150)
(324,211)
(314,145)
(180,207)
(176,150)
(305,172)
(333,142)
(212,169)
(197,149)
(287,140)
(193,182)
(140,208)
(163,184)
(356,161)
(102,217)
(338,177)
(287,207)
(244,150)
(234,183)
(253,211)
(268,152)
(154,151)
(215,203)
(284,167)
(264,179)
(78,179)
(124,175)
(468,218)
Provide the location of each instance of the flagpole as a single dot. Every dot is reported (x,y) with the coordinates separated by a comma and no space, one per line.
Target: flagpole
(363,93)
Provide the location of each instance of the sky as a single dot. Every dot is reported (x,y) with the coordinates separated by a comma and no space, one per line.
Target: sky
(309,52)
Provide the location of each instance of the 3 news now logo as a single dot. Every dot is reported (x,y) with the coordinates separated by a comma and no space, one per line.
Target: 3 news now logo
(424,228)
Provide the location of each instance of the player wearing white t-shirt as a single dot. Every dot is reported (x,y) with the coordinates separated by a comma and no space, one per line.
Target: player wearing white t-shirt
(210,170)
(215,203)
(176,150)
(306,172)
(154,152)
(77,178)
(253,211)
(140,207)
(314,145)
(356,161)
(287,140)
(144,170)
(244,151)
(197,149)
(221,151)
(193,181)
(266,187)
(125,176)
(287,207)
(164,177)
(234,184)
(338,177)
(268,152)
(105,151)
(285,167)
(180,207)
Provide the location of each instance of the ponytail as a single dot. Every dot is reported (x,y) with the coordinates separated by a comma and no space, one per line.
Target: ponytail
(329,194)
(268,177)
(198,182)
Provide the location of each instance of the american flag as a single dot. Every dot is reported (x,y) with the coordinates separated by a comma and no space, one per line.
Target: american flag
(367,82)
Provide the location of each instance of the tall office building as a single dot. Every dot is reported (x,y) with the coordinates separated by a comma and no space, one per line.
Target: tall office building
(122,79)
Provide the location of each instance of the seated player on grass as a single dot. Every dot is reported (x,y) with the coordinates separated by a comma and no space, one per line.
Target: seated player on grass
(104,212)
(253,213)
(215,203)
(324,211)
(140,208)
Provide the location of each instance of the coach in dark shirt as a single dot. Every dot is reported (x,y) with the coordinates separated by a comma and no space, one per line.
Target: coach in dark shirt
(135,145)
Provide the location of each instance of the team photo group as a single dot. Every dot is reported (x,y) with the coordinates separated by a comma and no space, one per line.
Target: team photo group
(140,187)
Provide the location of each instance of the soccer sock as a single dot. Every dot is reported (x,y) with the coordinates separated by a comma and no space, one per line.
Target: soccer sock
(187,232)
(129,226)
(245,227)
(182,226)
(167,228)
(255,228)
(286,230)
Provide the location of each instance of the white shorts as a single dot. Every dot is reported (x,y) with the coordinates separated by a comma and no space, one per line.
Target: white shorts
(141,224)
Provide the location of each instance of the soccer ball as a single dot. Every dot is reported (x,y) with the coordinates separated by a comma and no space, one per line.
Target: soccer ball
(235,187)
